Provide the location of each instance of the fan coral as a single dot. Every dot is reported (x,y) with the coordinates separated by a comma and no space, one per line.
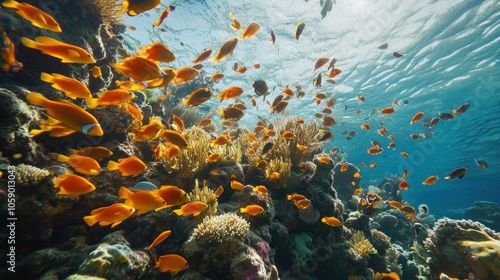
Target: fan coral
(193,159)
(461,247)
(220,228)
(29,175)
(361,245)
(206,196)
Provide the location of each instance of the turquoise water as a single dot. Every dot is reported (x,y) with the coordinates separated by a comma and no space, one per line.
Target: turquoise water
(450,57)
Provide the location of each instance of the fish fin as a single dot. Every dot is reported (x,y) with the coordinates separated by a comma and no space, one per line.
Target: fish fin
(36,98)
(46,77)
(173,272)
(30,43)
(62,158)
(243,210)
(124,193)
(461,176)
(90,220)
(163,207)
(92,102)
(36,132)
(10,4)
(104,223)
(113,165)
(178,212)
(447,177)
(142,211)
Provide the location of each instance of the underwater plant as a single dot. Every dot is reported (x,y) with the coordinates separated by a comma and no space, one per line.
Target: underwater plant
(361,245)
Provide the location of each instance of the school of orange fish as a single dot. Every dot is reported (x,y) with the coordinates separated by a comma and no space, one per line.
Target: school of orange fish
(143,69)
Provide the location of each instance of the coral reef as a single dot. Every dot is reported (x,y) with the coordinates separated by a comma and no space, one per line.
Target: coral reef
(485,212)
(221,228)
(206,196)
(361,245)
(460,248)
(28,175)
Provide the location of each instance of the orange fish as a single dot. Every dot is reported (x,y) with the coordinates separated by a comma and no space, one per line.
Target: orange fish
(404,154)
(66,52)
(131,166)
(235,185)
(252,210)
(160,238)
(365,126)
(303,203)
(343,167)
(172,263)
(361,98)
(395,204)
(36,16)
(385,276)
(256,65)
(110,97)
(333,73)
(96,71)
(172,196)
(357,191)
(175,138)
(185,74)
(204,122)
(326,160)
(414,136)
(214,157)
(111,215)
(219,191)
(405,174)
(301,147)
(144,201)
(197,97)
(371,200)
(164,15)
(403,185)
(260,189)
(158,52)
(382,131)
(140,68)
(204,55)
(236,25)
(430,180)
(226,49)
(131,28)
(68,113)
(416,117)
(387,110)
(275,175)
(250,31)
(391,145)
(149,131)
(81,164)
(222,139)
(287,135)
(231,113)
(230,92)
(8,61)
(408,209)
(72,88)
(331,221)
(93,152)
(54,127)
(392,137)
(295,197)
(134,7)
(192,208)
(328,121)
(357,175)
(373,164)
(72,185)
(411,216)
(217,76)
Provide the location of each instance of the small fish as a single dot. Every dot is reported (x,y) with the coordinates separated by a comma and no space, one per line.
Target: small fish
(34,15)
(461,109)
(192,208)
(287,135)
(416,117)
(230,92)
(446,116)
(197,97)
(303,203)
(386,276)
(456,173)
(414,136)
(131,166)
(160,238)
(260,88)
(144,201)
(226,49)
(252,209)
(236,25)
(135,7)
(403,185)
(365,126)
(333,73)
(96,71)
(273,38)
(320,62)
(68,113)
(66,52)
(73,185)
(250,31)
(149,131)
(216,76)
(204,55)
(140,68)
(383,46)
(326,7)
(326,136)
(404,154)
(266,148)
(172,263)
(185,74)
(8,61)
(110,97)
(430,180)
(481,163)
(132,28)
(328,121)
(231,113)
(407,209)
(371,200)
(331,221)
(395,204)
(175,138)
(260,189)
(81,164)
(357,191)
(93,152)
(299,30)
(214,157)
(219,191)
(275,175)
(172,196)
(111,215)
(387,110)
(295,197)
(222,139)
(158,52)
(144,186)
(164,14)
(397,54)
(317,81)
(235,185)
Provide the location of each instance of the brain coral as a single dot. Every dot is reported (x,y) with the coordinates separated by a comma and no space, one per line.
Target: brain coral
(217,229)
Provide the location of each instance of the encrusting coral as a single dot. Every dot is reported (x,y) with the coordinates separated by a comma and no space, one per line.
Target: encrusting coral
(220,228)
(361,245)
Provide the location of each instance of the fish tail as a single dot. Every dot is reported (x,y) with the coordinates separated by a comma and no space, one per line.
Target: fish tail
(221,111)
(62,158)
(10,4)
(29,43)
(243,210)
(447,177)
(113,165)
(46,77)
(123,8)
(178,212)
(92,102)
(124,193)
(36,98)
(90,220)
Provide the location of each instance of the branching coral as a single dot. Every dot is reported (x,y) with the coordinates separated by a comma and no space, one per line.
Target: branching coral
(281,166)
(29,175)
(206,196)
(228,153)
(109,10)
(361,245)
(220,228)
(191,160)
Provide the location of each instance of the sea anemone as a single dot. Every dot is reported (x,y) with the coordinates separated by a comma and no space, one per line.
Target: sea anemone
(221,228)
(361,245)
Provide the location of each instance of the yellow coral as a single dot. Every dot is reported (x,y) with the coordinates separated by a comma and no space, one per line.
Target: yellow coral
(206,196)
(361,245)
(109,10)
(221,228)
(30,175)
(283,167)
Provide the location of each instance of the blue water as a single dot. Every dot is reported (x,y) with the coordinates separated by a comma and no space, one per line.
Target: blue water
(450,57)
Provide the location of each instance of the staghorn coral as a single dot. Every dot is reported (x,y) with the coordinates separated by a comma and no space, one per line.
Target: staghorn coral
(29,175)
(220,228)
(206,196)
(361,245)
(193,159)
(109,11)
(305,134)
(461,247)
